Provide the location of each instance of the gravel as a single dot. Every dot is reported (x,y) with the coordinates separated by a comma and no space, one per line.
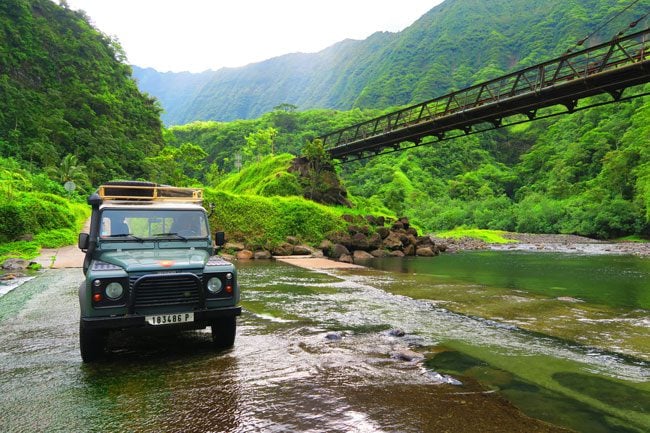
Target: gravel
(551,243)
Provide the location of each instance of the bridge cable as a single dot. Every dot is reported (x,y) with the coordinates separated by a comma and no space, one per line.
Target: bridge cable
(583,40)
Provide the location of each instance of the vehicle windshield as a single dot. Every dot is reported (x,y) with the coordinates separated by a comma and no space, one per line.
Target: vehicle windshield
(127,224)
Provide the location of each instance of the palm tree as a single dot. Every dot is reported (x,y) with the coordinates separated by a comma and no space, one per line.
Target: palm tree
(69,170)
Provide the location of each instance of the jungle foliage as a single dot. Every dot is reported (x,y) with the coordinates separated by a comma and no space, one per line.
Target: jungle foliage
(586,173)
(65,90)
(69,110)
(454,45)
(35,212)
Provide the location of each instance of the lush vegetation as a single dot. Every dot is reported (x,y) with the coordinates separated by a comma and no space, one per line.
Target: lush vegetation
(489,236)
(65,90)
(457,43)
(70,111)
(265,222)
(35,212)
(585,173)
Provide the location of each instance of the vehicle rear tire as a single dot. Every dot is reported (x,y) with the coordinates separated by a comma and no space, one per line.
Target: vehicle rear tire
(91,343)
(223,332)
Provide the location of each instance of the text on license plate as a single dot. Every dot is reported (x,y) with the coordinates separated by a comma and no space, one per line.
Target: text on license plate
(169,319)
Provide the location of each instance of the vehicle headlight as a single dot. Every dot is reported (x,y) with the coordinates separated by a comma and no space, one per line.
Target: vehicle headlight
(114,290)
(214,285)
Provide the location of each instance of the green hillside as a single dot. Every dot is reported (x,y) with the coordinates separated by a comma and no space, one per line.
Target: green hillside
(587,173)
(65,90)
(69,110)
(457,43)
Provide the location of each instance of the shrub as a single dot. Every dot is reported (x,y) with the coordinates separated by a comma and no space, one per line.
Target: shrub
(266,222)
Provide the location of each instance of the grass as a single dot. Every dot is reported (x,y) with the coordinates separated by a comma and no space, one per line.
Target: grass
(489,236)
(19,249)
(632,238)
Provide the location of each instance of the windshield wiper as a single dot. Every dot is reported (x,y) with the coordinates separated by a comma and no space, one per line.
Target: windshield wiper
(123,235)
(171,234)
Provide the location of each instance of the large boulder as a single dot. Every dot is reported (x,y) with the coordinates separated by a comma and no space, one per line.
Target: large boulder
(262,255)
(383,232)
(338,250)
(392,242)
(341,238)
(326,245)
(405,222)
(301,250)
(412,231)
(374,241)
(360,242)
(345,258)
(361,256)
(244,255)
(284,249)
(424,252)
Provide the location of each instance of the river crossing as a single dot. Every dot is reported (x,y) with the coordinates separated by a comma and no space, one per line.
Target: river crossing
(492,342)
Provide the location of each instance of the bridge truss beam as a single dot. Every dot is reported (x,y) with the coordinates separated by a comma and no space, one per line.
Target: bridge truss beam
(608,68)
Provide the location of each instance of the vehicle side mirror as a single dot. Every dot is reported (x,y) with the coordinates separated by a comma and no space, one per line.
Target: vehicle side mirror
(220,239)
(83,241)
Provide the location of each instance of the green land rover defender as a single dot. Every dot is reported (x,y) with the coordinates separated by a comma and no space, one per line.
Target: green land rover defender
(151,263)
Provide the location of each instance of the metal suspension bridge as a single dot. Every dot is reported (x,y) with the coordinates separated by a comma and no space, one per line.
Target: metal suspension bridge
(608,68)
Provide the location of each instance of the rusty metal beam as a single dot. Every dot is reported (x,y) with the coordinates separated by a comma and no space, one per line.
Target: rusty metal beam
(606,68)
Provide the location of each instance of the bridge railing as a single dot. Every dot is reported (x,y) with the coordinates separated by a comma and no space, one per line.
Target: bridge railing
(620,52)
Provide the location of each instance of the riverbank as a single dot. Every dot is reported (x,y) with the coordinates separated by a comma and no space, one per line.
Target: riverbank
(549,243)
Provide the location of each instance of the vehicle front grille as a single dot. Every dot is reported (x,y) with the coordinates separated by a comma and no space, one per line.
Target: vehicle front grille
(166,289)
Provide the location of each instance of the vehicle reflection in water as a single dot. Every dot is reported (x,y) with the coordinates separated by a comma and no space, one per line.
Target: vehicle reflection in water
(172,382)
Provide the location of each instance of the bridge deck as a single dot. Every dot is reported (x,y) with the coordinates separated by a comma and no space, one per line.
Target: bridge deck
(606,68)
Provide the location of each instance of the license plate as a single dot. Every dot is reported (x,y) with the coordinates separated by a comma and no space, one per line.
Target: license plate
(169,319)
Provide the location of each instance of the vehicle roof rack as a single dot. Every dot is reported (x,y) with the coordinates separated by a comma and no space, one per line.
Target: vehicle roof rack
(142,191)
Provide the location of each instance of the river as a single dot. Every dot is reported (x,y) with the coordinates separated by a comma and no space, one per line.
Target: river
(476,341)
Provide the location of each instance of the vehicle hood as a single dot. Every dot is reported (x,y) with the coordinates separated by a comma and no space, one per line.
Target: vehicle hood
(156,260)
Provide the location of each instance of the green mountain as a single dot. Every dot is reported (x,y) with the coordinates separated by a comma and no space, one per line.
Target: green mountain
(457,43)
(65,90)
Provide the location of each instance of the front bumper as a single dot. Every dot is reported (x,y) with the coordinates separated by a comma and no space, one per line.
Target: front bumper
(202,318)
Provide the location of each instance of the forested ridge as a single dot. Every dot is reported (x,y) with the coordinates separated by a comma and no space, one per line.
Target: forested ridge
(70,110)
(65,89)
(456,44)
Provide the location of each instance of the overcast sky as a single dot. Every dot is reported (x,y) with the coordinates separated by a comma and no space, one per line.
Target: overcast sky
(195,35)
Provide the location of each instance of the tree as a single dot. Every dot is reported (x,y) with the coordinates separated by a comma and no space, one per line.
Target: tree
(69,170)
(178,166)
(259,144)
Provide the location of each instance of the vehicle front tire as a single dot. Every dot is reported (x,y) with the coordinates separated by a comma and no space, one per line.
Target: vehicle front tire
(223,332)
(91,343)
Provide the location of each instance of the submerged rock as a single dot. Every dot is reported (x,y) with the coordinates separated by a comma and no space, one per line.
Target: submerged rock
(334,336)
(407,355)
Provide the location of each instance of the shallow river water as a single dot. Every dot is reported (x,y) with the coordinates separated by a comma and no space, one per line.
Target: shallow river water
(492,342)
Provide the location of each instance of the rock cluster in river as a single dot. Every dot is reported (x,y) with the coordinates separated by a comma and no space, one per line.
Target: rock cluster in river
(364,238)
(370,236)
